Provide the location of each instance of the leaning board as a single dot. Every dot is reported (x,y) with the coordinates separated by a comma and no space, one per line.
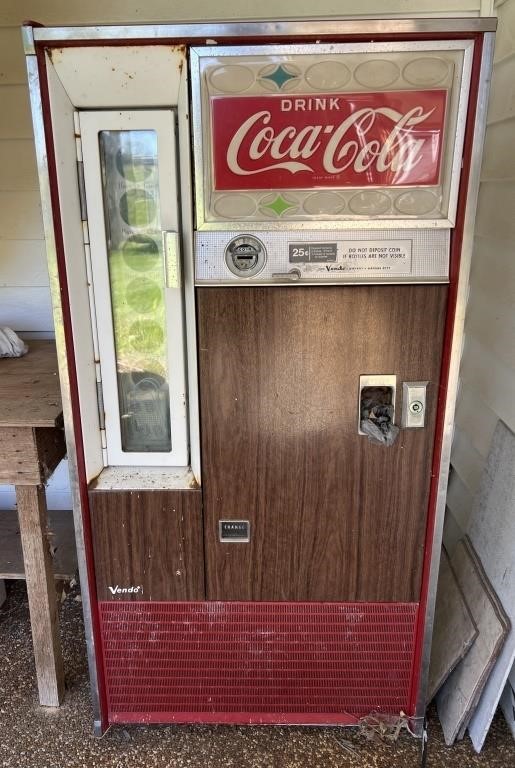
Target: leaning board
(454,628)
(508,702)
(460,694)
(492,532)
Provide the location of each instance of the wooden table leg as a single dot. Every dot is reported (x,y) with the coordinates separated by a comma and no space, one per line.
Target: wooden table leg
(32,516)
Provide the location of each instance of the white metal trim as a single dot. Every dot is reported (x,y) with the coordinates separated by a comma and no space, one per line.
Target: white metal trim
(150,478)
(188,265)
(163,122)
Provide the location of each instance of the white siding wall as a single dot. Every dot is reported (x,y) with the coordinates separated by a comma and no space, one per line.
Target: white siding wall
(24,295)
(487,389)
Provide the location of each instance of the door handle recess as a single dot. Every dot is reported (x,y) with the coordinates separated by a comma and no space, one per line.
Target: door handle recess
(293,275)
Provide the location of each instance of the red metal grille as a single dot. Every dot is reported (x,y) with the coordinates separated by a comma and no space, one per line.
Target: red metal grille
(256,662)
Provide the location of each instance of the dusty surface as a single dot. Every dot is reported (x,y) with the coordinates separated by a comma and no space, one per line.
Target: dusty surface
(32,737)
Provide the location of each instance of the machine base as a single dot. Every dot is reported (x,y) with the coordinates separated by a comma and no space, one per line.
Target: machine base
(256,663)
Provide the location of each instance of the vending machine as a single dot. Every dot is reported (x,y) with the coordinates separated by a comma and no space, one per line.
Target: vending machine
(259,239)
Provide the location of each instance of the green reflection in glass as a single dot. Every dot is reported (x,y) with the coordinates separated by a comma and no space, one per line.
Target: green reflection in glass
(141,253)
(135,163)
(146,335)
(137,208)
(131,204)
(144,295)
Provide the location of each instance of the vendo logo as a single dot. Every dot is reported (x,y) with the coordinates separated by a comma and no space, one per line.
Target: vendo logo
(315,141)
(132,590)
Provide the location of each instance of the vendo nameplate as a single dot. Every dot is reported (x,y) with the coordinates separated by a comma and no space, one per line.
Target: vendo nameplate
(383,258)
(234,531)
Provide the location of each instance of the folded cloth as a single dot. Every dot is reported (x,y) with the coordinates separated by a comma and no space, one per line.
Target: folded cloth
(10,344)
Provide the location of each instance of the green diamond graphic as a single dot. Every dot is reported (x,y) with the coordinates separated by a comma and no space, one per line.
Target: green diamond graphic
(279,205)
(279,76)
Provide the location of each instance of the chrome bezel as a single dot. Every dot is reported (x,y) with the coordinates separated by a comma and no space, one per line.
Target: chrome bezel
(202,160)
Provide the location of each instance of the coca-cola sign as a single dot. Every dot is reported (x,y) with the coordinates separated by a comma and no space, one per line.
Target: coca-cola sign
(382,139)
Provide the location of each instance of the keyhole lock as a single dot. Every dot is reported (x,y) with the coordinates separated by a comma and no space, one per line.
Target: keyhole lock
(414,395)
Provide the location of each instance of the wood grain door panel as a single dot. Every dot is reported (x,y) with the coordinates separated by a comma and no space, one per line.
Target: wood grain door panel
(333,517)
(148,539)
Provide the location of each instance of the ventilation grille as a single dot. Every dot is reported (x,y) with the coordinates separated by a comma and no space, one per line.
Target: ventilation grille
(166,661)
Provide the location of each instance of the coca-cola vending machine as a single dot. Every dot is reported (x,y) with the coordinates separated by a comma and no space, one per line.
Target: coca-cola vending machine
(259,239)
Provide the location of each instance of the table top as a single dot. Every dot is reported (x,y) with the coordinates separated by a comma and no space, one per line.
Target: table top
(29,388)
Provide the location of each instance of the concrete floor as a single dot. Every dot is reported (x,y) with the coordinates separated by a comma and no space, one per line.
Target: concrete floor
(33,737)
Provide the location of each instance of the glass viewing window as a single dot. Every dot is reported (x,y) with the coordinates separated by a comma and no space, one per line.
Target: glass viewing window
(136,280)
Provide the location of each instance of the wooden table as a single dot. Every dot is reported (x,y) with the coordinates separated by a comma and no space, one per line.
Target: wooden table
(31,446)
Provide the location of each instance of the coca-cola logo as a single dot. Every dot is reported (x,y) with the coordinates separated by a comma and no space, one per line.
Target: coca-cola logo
(317,140)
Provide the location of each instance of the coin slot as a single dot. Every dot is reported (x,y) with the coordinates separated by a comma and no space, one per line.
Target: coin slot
(245,256)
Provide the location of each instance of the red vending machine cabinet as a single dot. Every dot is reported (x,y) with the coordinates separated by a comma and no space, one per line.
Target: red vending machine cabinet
(259,249)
